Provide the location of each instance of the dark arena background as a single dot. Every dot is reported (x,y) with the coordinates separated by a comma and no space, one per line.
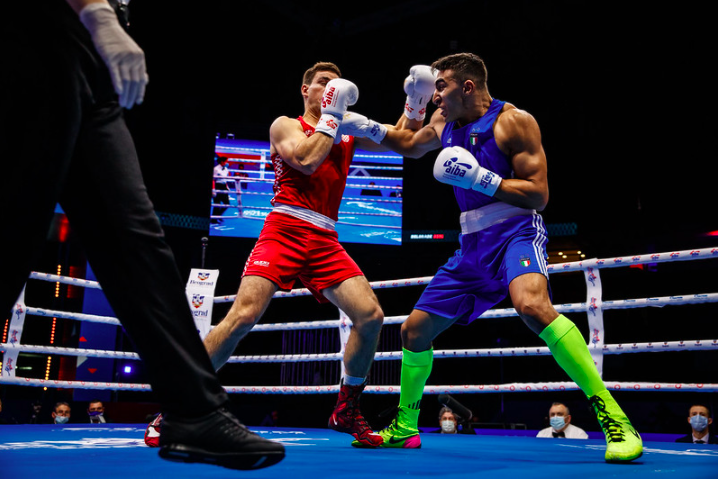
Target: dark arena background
(623,94)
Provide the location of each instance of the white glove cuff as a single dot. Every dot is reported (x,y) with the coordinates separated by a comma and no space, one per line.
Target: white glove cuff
(94,14)
(487,182)
(415,106)
(328,124)
(377,133)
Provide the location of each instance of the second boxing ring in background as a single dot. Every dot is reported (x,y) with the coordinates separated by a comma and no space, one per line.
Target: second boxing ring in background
(370,211)
(594,307)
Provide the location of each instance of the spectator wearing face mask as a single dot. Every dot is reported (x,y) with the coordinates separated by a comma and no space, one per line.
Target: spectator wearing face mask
(560,420)
(96,412)
(61,414)
(699,417)
(448,422)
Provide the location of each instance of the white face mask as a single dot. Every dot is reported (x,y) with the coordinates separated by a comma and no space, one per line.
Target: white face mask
(699,423)
(448,426)
(557,422)
(61,419)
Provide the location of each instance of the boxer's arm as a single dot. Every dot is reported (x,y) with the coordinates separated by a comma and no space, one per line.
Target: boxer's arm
(518,135)
(301,152)
(412,140)
(408,136)
(78,5)
(395,141)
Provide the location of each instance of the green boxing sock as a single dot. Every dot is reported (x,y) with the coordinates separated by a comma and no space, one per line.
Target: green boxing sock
(571,353)
(415,370)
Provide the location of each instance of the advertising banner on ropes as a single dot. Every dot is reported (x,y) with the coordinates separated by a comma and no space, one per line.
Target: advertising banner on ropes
(200,294)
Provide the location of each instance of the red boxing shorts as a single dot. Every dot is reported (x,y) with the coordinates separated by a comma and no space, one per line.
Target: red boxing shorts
(289,248)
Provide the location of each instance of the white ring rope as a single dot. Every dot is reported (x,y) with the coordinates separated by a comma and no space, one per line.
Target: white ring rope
(334,389)
(588,265)
(666,346)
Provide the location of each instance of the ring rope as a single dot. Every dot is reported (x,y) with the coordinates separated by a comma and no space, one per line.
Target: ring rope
(585,266)
(666,346)
(492,313)
(334,389)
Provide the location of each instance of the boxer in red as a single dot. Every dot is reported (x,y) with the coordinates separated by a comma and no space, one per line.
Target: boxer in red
(311,160)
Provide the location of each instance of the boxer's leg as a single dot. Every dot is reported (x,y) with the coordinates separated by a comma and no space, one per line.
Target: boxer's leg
(253,298)
(417,333)
(529,293)
(571,353)
(355,297)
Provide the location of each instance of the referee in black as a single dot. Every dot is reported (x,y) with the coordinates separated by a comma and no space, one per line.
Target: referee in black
(69,69)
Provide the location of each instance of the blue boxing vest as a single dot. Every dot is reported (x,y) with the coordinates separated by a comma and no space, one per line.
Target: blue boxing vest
(478,138)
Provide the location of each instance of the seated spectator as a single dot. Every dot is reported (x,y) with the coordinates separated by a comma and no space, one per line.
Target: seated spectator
(451,423)
(448,422)
(61,414)
(699,417)
(96,412)
(560,420)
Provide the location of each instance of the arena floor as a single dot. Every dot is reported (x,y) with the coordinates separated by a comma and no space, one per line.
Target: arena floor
(118,451)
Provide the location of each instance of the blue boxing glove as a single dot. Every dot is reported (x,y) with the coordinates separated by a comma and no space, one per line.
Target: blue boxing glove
(456,166)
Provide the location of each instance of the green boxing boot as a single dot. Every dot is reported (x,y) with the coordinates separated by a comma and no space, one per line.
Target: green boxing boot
(623,442)
(402,432)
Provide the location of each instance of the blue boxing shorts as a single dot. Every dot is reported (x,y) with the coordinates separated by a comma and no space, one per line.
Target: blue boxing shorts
(477,277)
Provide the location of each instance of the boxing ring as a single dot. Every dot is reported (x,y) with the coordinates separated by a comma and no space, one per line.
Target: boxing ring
(370,211)
(119,451)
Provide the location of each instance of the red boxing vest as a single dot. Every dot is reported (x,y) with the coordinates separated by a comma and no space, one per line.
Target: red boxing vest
(322,191)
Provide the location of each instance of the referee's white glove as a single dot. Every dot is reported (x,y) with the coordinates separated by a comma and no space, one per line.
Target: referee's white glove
(123,57)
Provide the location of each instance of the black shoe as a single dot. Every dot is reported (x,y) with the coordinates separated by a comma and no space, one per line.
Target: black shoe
(217,438)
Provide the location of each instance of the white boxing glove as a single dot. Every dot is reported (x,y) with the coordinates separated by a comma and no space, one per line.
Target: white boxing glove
(419,87)
(339,95)
(458,167)
(354,124)
(124,58)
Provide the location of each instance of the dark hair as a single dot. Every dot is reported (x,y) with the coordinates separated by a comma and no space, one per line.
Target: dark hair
(444,410)
(319,67)
(466,66)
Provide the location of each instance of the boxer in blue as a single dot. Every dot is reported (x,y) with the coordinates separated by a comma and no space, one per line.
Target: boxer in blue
(493,157)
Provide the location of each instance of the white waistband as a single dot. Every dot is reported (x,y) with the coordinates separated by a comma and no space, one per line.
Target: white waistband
(317,219)
(489,215)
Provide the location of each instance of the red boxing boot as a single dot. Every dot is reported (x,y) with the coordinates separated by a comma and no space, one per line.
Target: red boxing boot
(348,418)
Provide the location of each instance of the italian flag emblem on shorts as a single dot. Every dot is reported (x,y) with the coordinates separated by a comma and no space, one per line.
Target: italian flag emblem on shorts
(525,261)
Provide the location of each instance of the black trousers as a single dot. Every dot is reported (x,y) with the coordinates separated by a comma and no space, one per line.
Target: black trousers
(63,139)
(221,198)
